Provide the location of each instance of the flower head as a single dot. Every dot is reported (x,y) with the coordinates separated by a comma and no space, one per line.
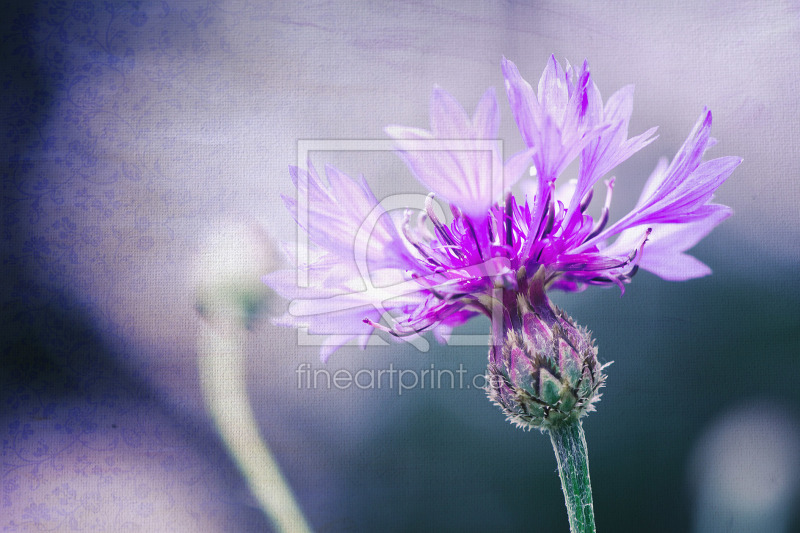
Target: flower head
(497,252)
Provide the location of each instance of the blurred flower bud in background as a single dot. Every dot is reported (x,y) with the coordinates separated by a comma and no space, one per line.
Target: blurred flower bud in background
(233,258)
(745,471)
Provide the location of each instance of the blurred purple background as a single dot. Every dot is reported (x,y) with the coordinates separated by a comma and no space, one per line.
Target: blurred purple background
(134,129)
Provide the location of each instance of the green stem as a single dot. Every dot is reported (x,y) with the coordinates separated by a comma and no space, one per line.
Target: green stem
(569,444)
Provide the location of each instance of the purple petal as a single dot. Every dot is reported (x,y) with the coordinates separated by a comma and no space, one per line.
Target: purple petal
(664,254)
(516,167)
(619,106)
(653,181)
(448,118)
(692,192)
(459,160)
(486,120)
(674,266)
(336,214)
(691,153)
(553,88)
(522,101)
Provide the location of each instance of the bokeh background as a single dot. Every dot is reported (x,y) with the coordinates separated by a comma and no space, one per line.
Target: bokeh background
(133,129)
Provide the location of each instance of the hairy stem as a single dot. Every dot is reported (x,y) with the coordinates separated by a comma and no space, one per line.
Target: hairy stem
(569,445)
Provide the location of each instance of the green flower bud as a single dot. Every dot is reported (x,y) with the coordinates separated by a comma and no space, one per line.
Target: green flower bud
(547,373)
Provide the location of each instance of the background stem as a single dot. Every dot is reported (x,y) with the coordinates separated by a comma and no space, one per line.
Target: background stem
(222,361)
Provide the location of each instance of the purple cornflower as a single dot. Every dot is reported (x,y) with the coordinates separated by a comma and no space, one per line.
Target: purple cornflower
(421,272)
